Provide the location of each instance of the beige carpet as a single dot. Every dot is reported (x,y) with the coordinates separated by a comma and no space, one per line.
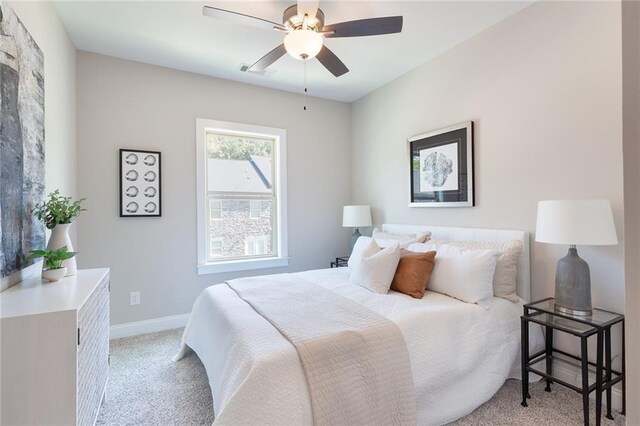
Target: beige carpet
(146,388)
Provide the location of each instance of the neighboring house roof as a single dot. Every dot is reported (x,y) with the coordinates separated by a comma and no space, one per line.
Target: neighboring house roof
(263,165)
(252,175)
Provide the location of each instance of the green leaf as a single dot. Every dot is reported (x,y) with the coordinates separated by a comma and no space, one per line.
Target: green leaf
(53,258)
(53,263)
(66,255)
(35,254)
(57,209)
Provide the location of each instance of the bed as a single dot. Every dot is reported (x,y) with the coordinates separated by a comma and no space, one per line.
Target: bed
(460,354)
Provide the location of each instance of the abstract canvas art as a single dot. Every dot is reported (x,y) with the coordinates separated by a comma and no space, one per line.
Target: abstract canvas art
(441,167)
(21,142)
(140,192)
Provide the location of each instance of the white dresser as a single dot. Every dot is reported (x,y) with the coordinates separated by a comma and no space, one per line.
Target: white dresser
(54,352)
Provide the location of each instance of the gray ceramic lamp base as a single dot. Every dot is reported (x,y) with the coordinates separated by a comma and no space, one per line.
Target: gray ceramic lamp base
(354,237)
(573,285)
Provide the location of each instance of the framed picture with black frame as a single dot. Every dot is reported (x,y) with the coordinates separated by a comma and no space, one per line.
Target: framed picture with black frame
(140,183)
(441,167)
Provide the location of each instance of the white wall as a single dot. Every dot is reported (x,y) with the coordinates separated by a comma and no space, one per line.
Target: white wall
(123,104)
(543,88)
(42,21)
(631,135)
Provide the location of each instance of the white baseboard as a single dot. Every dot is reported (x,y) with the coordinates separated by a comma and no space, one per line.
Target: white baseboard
(147,326)
(566,374)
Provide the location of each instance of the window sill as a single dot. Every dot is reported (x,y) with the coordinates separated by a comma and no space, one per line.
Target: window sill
(241,265)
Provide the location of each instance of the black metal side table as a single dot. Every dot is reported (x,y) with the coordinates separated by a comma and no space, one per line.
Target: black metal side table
(340,262)
(599,324)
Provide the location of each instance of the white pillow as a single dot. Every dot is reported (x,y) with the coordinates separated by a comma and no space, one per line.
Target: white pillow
(364,246)
(430,245)
(386,239)
(504,278)
(375,272)
(466,274)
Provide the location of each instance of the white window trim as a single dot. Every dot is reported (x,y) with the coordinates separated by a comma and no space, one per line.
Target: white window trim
(280,135)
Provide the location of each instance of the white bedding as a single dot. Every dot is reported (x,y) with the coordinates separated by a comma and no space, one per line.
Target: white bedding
(460,353)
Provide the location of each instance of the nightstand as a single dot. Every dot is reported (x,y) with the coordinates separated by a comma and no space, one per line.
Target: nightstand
(340,262)
(542,363)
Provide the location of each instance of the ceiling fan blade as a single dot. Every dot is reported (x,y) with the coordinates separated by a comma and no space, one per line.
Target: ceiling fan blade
(365,27)
(241,18)
(308,7)
(332,62)
(268,59)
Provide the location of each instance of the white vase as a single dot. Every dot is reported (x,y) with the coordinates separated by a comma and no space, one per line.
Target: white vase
(54,274)
(60,238)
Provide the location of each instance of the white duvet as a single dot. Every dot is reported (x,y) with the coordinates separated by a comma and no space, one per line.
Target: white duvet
(460,353)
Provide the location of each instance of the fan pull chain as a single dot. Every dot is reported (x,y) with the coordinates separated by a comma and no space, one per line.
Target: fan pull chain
(305,85)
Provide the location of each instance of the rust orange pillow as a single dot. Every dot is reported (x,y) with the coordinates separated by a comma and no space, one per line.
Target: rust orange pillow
(413,273)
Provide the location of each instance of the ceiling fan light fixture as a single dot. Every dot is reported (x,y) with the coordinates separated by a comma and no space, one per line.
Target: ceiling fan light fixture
(303,44)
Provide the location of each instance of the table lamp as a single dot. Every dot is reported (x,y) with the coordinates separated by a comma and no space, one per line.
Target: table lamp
(575,222)
(356,216)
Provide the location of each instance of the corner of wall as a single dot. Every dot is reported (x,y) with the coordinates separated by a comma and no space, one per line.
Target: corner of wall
(631,148)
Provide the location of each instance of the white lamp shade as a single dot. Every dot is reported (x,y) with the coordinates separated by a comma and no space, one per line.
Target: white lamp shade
(578,222)
(303,44)
(355,216)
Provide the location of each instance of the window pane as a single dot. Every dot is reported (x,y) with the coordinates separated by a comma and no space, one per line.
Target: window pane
(238,164)
(241,234)
(261,245)
(240,178)
(215,247)
(215,210)
(255,245)
(254,210)
(248,246)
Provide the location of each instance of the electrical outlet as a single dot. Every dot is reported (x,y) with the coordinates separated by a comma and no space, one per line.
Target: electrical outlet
(134,298)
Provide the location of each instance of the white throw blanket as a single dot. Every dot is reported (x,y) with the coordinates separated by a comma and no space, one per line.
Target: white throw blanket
(355,360)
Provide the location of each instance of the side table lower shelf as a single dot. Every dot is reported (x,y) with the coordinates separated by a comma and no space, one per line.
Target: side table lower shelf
(598,377)
(538,365)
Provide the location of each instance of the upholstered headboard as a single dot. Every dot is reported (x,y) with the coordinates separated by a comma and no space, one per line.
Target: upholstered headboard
(478,234)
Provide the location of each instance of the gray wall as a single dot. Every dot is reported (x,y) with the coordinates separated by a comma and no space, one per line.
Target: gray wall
(123,104)
(44,25)
(631,136)
(544,88)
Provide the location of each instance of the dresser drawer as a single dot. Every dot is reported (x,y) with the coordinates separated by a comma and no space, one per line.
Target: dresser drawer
(93,353)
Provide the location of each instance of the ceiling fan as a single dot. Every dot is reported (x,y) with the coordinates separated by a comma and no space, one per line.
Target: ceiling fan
(304,24)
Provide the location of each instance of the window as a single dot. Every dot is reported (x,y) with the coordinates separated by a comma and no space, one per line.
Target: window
(255,245)
(241,172)
(215,247)
(215,210)
(255,208)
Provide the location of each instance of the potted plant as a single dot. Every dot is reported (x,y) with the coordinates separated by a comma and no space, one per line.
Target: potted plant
(52,265)
(57,212)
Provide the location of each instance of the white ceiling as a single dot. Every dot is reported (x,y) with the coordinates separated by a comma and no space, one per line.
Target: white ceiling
(177,35)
